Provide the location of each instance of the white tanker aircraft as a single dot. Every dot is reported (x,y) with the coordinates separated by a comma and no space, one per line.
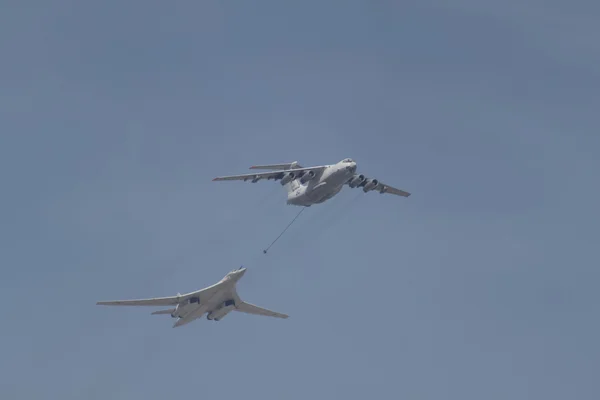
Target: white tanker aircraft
(217,300)
(315,185)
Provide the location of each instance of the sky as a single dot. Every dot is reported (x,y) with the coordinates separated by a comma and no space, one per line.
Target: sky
(115,116)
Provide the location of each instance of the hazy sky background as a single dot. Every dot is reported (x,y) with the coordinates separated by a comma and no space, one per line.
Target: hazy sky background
(116,115)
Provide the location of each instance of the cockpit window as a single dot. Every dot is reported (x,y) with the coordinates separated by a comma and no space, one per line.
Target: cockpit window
(348,160)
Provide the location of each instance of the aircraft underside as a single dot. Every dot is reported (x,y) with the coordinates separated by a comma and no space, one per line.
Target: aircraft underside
(324,196)
(214,314)
(225,308)
(315,195)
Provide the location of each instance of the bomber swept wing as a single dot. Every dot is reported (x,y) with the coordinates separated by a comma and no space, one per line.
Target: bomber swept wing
(256,310)
(201,295)
(157,301)
(276,175)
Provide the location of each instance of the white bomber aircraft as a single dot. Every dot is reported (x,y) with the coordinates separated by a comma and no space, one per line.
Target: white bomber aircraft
(314,185)
(217,300)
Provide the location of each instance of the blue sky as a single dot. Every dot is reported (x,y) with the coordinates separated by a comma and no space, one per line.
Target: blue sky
(115,116)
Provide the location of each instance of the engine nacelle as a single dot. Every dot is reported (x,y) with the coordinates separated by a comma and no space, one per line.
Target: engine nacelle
(307,177)
(175,313)
(370,185)
(221,312)
(287,178)
(356,180)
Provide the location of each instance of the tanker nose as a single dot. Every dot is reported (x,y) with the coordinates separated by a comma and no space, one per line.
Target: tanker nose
(351,167)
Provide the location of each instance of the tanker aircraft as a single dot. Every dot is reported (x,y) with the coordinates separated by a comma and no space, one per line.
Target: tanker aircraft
(217,300)
(315,185)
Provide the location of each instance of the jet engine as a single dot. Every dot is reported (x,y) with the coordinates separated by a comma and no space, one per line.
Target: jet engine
(356,180)
(370,185)
(175,314)
(222,311)
(287,178)
(307,177)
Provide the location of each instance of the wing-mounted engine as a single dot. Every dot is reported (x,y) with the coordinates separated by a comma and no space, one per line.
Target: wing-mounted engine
(370,184)
(356,181)
(175,313)
(171,311)
(218,314)
(185,306)
(254,178)
(307,176)
(287,178)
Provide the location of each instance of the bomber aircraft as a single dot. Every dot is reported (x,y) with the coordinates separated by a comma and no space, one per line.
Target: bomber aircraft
(315,185)
(217,300)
